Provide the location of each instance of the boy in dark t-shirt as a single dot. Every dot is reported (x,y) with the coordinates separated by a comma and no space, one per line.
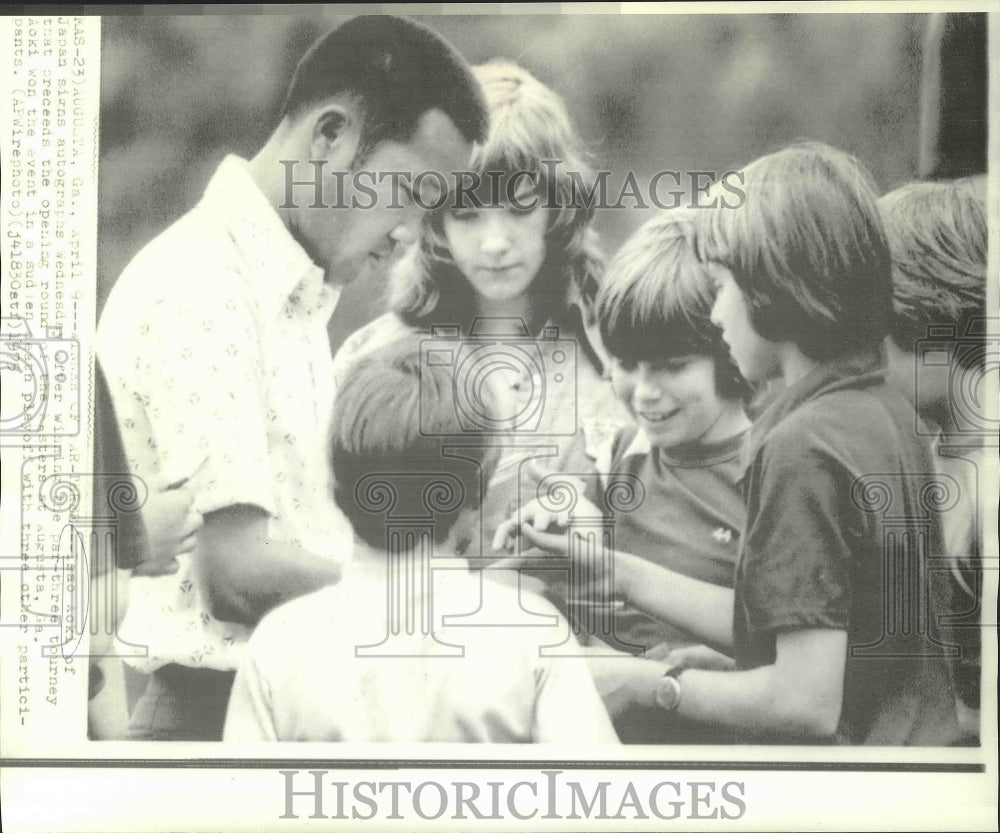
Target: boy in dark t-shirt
(832,621)
(671,371)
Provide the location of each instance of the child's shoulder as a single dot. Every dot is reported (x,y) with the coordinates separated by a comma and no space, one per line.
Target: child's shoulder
(627,441)
(524,619)
(523,591)
(292,615)
(858,426)
(873,408)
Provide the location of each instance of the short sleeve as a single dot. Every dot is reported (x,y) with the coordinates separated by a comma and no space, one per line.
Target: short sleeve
(795,570)
(207,402)
(619,445)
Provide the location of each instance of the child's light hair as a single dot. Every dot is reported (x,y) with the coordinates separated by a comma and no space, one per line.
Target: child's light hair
(529,126)
(656,298)
(391,416)
(937,235)
(808,250)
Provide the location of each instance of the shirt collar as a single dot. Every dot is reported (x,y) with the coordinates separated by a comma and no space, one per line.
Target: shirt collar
(694,456)
(280,272)
(856,369)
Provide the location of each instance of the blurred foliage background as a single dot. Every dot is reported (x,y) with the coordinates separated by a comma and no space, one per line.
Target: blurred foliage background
(649,93)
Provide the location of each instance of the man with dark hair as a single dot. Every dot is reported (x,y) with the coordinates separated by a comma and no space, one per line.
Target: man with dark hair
(215,347)
(386,62)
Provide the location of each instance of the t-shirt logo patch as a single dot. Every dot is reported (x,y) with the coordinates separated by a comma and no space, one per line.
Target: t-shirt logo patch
(723,534)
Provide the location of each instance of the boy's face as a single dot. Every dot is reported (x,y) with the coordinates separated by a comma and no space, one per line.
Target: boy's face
(755,356)
(673,401)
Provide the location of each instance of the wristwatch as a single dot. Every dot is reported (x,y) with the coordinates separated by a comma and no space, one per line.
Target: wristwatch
(668,689)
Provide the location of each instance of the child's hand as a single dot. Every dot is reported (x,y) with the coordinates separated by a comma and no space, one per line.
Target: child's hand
(624,681)
(540,527)
(172,523)
(532,516)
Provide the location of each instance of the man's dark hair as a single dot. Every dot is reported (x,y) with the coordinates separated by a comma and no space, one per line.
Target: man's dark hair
(398,70)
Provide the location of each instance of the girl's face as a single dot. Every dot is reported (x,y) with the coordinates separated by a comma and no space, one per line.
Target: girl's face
(499,249)
(673,401)
(755,356)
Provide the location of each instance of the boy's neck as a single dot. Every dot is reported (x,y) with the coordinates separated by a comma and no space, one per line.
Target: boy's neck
(732,421)
(794,363)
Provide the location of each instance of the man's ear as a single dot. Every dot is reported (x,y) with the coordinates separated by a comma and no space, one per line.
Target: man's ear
(336,132)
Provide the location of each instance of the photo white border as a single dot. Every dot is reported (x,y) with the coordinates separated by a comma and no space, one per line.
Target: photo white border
(52,783)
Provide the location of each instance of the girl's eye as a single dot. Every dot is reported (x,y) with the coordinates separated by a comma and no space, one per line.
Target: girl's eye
(463,215)
(675,365)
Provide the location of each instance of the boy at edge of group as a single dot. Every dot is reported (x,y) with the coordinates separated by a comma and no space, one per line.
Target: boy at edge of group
(804,295)
(320,668)
(938,236)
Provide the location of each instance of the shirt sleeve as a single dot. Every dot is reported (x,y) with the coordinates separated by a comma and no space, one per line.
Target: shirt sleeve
(109,455)
(207,404)
(249,716)
(800,537)
(568,708)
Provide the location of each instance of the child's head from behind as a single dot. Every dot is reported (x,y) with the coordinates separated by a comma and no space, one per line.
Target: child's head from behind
(938,238)
(387,451)
(670,367)
(803,260)
(525,221)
